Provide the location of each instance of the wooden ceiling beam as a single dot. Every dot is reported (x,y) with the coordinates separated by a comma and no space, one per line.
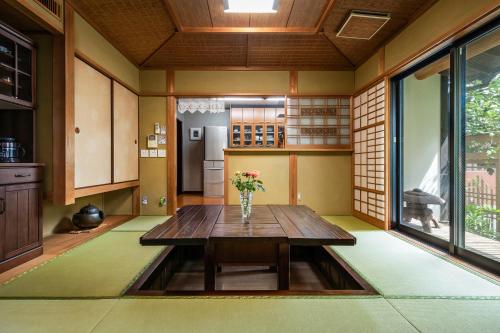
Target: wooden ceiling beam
(173,15)
(326,12)
(246,30)
(250,68)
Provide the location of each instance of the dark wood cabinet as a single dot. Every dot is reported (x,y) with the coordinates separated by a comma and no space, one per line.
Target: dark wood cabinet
(20,214)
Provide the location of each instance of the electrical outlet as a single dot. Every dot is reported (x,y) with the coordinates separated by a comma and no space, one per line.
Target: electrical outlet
(299,196)
(144,199)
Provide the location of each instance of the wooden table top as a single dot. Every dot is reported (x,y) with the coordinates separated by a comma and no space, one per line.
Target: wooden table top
(296,225)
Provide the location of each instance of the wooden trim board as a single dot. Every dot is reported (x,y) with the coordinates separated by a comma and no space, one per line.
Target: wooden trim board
(86,191)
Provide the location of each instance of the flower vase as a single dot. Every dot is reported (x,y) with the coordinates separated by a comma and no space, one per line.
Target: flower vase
(246,205)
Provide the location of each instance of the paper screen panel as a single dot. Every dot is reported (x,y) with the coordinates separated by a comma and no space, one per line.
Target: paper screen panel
(369,107)
(369,152)
(323,120)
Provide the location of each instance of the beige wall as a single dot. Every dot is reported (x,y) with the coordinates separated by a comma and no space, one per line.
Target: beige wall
(325,82)
(94,46)
(324,182)
(439,20)
(153,81)
(366,72)
(153,171)
(274,169)
(212,82)
(323,179)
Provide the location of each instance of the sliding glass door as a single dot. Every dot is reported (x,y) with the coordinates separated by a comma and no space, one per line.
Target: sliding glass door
(446,148)
(425,95)
(481,82)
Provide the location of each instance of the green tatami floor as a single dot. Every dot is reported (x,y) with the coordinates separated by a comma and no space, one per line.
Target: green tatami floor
(81,291)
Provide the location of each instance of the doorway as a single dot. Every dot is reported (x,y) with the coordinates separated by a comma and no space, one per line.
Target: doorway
(179,157)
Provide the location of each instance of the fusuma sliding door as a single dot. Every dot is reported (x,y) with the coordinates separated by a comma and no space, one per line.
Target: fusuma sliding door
(92,126)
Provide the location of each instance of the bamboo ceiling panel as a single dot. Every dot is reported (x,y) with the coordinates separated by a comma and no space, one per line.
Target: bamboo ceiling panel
(201,50)
(137,28)
(358,50)
(294,50)
(210,13)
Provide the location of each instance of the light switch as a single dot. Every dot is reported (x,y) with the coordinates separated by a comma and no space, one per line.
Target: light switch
(144,153)
(162,153)
(153,153)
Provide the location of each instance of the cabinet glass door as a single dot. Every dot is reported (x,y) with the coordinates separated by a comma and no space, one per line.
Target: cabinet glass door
(259,135)
(7,67)
(247,135)
(236,134)
(270,135)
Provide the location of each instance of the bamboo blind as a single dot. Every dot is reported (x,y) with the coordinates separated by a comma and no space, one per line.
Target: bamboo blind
(369,152)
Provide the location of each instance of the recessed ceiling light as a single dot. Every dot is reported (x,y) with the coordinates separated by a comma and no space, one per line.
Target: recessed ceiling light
(251,6)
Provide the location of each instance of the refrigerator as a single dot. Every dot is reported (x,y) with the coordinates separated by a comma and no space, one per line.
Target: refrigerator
(216,139)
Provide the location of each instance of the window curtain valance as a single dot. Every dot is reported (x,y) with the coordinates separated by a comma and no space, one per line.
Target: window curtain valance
(212,105)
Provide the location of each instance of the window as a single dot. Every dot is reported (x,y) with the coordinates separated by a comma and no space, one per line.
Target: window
(446,148)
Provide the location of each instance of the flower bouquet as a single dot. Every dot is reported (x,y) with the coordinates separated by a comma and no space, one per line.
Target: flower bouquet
(247,182)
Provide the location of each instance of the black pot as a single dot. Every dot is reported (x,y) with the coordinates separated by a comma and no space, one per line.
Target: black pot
(88,217)
(11,151)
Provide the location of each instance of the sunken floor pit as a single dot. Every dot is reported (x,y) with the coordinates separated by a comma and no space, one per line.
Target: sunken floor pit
(314,270)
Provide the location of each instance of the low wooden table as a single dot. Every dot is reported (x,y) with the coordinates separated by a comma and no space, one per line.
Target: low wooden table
(264,240)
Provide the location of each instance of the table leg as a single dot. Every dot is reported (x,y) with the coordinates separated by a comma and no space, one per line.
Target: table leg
(210,269)
(284,266)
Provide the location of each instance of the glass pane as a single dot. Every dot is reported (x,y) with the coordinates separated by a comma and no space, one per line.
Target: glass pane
(247,141)
(259,135)
(236,135)
(23,59)
(482,146)
(7,52)
(425,149)
(270,135)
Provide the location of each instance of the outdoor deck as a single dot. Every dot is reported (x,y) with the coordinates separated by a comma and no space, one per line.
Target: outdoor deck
(485,246)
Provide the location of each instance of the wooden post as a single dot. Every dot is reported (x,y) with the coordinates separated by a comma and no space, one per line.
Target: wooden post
(63,132)
(171,146)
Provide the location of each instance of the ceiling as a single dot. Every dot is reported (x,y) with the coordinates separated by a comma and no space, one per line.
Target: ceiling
(197,33)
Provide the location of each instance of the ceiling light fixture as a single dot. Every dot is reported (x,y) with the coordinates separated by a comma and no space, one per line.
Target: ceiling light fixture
(251,6)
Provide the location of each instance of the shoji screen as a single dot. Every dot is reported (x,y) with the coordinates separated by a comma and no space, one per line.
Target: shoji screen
(370,168)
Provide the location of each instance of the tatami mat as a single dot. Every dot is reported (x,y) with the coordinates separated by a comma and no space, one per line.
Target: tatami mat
(450,315)
(142,223)
(102,267)
(54,316)
(397,268)
(253,315)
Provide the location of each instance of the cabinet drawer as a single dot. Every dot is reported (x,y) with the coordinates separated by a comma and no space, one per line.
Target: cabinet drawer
(20,175)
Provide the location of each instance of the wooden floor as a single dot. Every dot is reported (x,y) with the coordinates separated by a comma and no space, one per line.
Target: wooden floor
(57,244)
(487,247)
(303,276)
(197,199)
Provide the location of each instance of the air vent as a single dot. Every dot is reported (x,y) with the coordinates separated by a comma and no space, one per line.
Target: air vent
(362,25)
(53,6)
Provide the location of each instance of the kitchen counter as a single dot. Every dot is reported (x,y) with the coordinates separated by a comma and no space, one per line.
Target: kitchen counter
(284,150)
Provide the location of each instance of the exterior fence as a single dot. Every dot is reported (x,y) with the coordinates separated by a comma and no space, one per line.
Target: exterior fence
(479,194)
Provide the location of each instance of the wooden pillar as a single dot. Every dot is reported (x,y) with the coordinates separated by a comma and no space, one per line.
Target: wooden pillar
(292,200)
(63,131)
(292,179)
(171,145)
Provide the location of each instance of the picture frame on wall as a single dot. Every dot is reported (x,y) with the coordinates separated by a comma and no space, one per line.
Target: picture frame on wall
(195,134)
